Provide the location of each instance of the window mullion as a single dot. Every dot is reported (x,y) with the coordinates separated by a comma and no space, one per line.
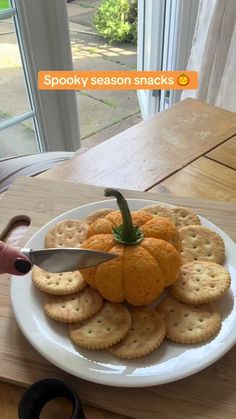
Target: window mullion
(44,32)
(16,120)
(6,14)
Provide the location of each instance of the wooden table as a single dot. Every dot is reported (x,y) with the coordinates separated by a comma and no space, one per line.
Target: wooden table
(187,151)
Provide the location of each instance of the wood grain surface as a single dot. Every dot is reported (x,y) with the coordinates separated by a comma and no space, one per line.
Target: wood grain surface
(209,394)
(225,153)
(203,178)
(147,153)
(10,395)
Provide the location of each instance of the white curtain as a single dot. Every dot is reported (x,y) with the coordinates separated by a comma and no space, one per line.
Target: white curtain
(213,54)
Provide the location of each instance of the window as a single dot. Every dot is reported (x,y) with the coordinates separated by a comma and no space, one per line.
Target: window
(18,124)
(42,35)
(166,29)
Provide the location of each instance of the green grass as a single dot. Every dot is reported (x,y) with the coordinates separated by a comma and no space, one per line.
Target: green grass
(4,4)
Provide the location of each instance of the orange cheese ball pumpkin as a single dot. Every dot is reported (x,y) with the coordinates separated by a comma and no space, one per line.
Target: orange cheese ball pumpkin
(144,266)
(152,226)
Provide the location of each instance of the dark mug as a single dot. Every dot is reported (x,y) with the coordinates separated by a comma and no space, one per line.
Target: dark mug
(41,392)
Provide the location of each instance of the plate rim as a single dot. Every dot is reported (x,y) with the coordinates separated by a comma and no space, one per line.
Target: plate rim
(120,381)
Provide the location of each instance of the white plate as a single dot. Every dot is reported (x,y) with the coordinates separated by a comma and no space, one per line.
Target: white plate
(168,363)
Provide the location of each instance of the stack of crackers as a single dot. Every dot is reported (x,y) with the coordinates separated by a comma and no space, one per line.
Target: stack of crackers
(187,315)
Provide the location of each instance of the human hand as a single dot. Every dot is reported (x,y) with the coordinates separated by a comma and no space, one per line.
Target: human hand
(12,261)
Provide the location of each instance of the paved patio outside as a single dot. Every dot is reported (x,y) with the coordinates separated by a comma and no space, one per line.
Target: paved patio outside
(102,113)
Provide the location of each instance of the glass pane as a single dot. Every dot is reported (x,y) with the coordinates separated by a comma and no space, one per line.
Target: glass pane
(13,93)
(18,140)
(102,113)
(4,4)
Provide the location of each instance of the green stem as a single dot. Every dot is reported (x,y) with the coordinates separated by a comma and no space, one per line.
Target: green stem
(126,233)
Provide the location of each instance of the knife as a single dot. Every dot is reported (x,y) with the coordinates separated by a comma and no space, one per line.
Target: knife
(66,259)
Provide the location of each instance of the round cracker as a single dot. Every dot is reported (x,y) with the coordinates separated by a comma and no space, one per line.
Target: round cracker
(201,282)
(158,210)
(67,233)
(95,215)
(180,216)
(146,334)
(189,323)
(201,243)
(75,307)
(62,283)
(184,217)
(104,329)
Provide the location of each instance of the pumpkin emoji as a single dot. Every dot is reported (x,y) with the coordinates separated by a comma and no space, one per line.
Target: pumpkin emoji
(183,80)
(147,257)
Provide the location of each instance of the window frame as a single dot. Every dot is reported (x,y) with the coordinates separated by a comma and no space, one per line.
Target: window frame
(171,24)
(42,30)
(151,17)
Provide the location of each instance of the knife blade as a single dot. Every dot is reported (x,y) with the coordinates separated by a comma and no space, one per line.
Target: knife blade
(66,259)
